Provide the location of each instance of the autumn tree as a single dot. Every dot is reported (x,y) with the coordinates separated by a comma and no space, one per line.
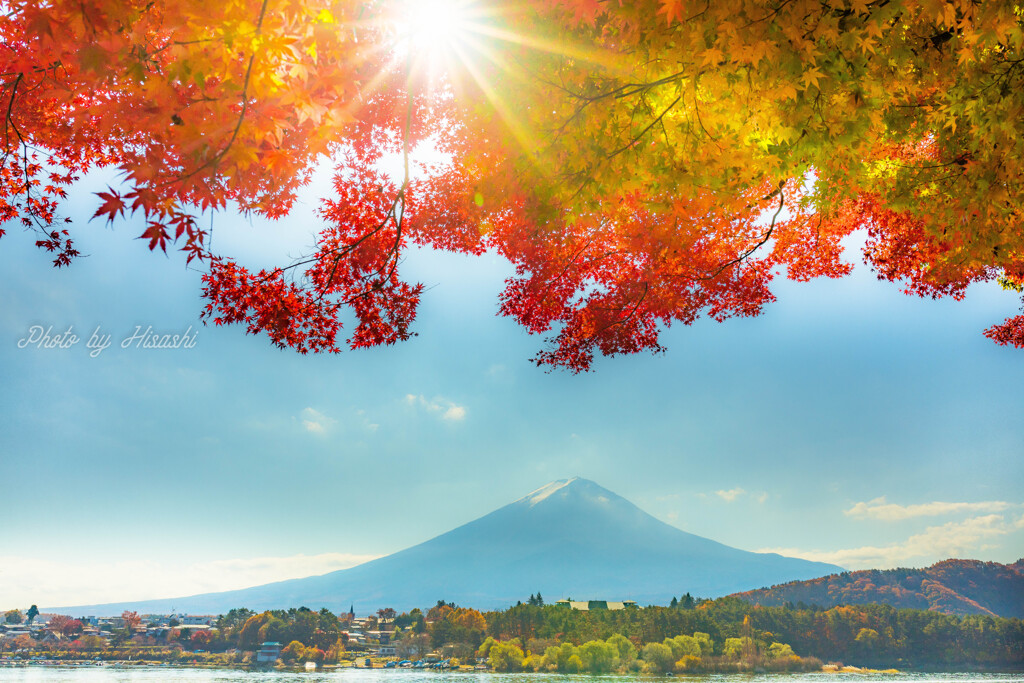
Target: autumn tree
(64,626)
(202,637)
(249,633)
(440,610)
(293,651)
(24,642)
(132,620)
(640,164)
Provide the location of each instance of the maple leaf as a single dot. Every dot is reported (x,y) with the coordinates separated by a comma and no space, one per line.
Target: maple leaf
(811,77)
(113,205)
(672,9)
(157,235)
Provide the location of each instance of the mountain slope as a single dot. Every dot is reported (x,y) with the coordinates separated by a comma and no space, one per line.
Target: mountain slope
(950,586)
(568,538)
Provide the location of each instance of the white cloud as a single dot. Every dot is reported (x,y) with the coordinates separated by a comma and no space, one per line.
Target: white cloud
(25,581)
(954,539)
(369,426)
(880,509)
(730,495)
(315,422)
(454,413)
(447,409)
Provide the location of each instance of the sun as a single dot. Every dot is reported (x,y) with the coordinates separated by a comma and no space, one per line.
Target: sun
(433,28)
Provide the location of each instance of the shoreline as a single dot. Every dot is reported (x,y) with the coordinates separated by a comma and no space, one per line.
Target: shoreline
(836,669)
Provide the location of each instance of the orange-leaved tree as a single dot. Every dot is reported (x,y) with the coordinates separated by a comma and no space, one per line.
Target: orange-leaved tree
(639,163)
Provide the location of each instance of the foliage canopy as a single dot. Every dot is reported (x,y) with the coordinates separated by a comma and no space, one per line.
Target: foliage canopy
(639,163)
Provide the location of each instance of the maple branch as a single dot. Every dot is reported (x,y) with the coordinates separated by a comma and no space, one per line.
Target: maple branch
(10,125)
(36,70)
(399,222)
(768,16)
(629,89)
(707,6)
(621,321)
(217,158)
(748,252)
(9,120)
(696,109)
(568,264)
(636,306)
(653,123)
(392,214)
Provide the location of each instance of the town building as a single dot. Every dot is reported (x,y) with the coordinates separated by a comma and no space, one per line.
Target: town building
(268,653)
(587,605)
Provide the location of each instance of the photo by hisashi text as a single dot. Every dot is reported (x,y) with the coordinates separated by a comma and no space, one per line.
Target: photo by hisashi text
(46,338)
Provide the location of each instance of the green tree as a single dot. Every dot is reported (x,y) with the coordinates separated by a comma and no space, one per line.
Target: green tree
(739,648)
(505,656)
(14,616)
(276,630)
(867,640)
(556,658)
(485,647)
(780,650)
(682,646)
(658,657)
(32,613)
(598,657)
(626,649)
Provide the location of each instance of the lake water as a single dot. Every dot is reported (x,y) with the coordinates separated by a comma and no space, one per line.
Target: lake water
(115,674)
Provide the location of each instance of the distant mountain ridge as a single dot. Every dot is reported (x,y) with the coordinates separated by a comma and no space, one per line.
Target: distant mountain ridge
(951,586)
(569,538)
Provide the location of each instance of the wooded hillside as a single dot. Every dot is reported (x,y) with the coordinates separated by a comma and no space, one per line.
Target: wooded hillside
(950,587)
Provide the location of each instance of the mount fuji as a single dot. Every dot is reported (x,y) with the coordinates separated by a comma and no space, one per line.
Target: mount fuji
(570,538)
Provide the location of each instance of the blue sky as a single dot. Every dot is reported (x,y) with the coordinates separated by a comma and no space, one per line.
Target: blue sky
(849,423)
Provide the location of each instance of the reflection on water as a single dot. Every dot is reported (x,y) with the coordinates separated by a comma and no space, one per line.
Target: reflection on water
(117,674)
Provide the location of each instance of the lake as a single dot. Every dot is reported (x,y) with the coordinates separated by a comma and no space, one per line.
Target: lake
(116,674)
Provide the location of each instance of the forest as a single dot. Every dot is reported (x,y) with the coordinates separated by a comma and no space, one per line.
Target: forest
(692,635)
(878,636)
(950,587)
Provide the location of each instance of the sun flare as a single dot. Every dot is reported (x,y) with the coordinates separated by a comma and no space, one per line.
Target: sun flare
(432,27)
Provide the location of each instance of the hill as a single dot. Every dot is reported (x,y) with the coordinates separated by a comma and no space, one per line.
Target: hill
(950,587)
(570,538)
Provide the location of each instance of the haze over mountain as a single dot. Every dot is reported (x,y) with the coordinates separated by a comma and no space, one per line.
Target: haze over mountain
(950,586)
(570,538)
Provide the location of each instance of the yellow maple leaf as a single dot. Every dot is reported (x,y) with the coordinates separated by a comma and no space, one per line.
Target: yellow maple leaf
(810,77)
(711,56)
